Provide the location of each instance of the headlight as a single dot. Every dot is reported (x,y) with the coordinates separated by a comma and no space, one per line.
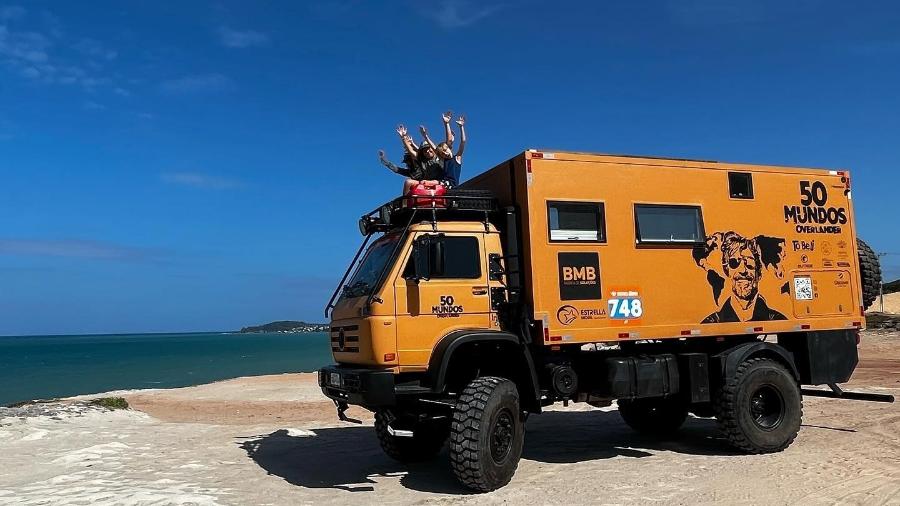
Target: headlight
(364,226)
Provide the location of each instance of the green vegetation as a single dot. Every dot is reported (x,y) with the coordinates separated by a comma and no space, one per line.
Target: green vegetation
(287,326)
(893,286)
(110,403)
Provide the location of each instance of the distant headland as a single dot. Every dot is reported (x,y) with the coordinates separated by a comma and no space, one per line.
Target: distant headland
(287,326)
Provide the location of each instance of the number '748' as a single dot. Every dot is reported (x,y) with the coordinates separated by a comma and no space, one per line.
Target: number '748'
(625,308)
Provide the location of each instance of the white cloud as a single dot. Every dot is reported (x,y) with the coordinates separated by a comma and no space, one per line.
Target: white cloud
(241,38)
(31,54)
(197,84)
(198,180)
(23,47)
(10,12)
(78,248)
(714,13)
(94,49)
(93,106)
(453,14)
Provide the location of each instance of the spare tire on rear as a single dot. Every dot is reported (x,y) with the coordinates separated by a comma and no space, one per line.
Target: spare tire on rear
(869,272)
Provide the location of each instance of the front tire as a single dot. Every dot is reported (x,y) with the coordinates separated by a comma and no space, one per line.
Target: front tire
(427,440)
(487,434)
(660,417)
(759,409)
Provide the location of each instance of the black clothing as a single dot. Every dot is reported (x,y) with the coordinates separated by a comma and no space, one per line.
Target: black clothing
(761,312)
(412,170)
(432,169)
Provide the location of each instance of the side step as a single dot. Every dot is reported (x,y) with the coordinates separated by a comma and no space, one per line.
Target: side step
(837,393)
(398,432)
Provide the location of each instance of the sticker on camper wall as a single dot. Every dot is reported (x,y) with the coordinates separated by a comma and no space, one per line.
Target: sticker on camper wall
(625,305)
(626,308)
(803,289)
(579,276)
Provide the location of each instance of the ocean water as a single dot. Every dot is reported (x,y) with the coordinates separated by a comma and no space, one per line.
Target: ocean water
(43,367)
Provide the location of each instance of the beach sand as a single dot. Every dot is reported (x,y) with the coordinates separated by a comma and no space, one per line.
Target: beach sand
(891,303)
(276,440)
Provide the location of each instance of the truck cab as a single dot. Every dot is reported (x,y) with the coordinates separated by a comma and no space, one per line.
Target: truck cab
(421,284)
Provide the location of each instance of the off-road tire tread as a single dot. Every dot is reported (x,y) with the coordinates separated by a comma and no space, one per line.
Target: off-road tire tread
(467,418)
(869,272)
(726,410)
(406,449)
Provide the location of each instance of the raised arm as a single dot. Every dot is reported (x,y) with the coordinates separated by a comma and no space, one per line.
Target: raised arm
(390,165)
(461,121)
(407,141)
(424,132)
(446,117)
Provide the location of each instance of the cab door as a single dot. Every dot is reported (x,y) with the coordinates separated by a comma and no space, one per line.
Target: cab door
(456,296)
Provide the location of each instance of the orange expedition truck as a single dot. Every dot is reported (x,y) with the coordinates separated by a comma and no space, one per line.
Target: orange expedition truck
(670,286)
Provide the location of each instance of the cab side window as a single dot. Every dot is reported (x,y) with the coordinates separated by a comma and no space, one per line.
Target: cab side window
(462,259)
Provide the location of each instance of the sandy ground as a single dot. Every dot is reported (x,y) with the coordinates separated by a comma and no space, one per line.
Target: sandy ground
(891,303)
(274,440)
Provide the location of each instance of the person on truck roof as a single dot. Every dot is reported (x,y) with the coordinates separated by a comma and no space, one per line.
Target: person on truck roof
(432,167)
(448,132)
(411,167)
(452,163)
(742,264)
(422,163)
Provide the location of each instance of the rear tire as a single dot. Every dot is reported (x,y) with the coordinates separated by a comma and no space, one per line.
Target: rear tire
(487,434)
(869,272)
(428,437)
(759,409)
(655,416)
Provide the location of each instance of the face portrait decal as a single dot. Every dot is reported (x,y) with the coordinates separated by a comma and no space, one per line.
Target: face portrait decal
(740,263)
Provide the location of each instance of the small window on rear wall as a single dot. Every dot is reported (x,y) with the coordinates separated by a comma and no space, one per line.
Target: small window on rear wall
(740,185)
(576,221)
(668,224)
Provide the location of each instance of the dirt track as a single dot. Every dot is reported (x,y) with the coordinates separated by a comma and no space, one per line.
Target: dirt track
(272,440)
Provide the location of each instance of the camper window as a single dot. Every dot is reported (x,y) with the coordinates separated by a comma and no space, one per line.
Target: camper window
(576,221)
(668,224)
(740,185)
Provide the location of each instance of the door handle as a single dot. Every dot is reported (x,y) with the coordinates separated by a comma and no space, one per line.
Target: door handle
(479,290)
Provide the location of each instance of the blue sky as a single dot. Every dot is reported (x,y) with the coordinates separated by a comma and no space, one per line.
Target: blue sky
(189,166)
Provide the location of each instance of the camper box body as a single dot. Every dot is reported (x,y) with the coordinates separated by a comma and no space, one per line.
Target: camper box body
(666,248)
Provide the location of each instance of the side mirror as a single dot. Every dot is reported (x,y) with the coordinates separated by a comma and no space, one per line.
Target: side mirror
(428,257)
(495,267)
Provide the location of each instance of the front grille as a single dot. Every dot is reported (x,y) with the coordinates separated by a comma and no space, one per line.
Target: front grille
(351,382)
(350,340)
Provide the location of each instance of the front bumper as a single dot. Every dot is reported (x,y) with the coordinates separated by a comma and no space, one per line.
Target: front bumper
(369,388)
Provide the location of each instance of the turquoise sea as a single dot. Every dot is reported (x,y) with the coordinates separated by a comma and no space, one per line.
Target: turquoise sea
(43,367)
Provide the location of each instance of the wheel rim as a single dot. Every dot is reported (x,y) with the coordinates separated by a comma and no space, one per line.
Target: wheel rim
(502,435)
(766,407)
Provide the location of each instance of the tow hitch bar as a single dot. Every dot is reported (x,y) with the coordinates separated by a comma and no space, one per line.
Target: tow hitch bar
(837,393)
(341,407)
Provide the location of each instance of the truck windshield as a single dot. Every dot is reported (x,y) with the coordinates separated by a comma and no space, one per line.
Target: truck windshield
(365,279)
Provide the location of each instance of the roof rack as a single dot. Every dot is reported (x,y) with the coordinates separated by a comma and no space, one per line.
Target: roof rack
(455,204)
